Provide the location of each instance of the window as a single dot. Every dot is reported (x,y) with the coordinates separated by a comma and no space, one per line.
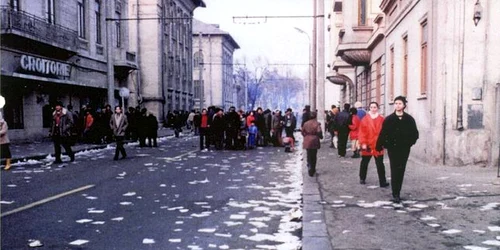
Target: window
(14,4)
(362,13)
(337,6)
(98,30)
(404,87)
(391,78)
(423,58)
(50,11)
(378,80)
(81,18)
(198,59)
(13,110)
(118,30)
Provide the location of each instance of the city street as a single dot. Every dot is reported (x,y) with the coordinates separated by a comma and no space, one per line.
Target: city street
(170,197)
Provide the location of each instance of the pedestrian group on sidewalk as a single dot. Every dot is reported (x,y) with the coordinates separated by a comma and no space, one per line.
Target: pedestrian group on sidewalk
(370,133)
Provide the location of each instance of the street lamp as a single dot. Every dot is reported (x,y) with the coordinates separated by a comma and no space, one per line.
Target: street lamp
(310,61)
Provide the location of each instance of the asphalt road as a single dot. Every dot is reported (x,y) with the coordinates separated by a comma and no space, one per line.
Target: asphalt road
(170,197)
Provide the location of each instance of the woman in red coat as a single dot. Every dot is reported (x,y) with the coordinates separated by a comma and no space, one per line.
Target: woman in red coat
(354,132)
(369,131)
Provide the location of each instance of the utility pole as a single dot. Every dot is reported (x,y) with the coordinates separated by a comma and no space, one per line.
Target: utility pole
(312,96)
(200,69)
(321,63)
(110,51)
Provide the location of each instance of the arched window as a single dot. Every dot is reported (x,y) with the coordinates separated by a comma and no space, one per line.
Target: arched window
(198,59)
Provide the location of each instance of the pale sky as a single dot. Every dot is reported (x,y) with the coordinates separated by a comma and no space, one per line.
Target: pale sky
(275,38)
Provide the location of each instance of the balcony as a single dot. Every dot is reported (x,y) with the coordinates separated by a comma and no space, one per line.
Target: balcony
(123,67)
(353,47)
(18,26)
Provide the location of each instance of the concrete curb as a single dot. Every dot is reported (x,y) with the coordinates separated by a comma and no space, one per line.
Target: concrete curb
(314,230)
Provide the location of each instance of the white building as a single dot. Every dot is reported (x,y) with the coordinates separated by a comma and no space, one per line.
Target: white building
(442,55)
(160,33)
(215,60)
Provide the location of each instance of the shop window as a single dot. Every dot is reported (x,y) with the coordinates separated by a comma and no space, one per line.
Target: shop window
(13,111)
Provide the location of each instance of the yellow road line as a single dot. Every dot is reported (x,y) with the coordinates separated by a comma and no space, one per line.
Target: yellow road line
(46,200)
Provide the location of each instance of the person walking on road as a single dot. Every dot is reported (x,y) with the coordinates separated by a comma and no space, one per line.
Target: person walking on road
(342,129)
(62,124)
(5,143)
(369,131)
(118,124)
(312,133)
(290,123)
(399,133)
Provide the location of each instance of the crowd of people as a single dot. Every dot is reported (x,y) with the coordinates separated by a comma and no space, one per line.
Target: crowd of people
(239,130)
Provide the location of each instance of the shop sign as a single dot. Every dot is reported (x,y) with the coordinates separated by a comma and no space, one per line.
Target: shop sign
(45,66)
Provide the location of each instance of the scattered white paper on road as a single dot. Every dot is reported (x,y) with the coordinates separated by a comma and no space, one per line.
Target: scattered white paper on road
(35,243)
(475,248)
(427,218)
(207,230)
(492,243)
(148,241)
(237,217)
(490,206)
(494,229)
(78,242)
(84,221)
(452,231)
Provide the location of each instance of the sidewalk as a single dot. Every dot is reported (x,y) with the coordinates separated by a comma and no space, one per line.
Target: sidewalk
(340,213)
(41,149)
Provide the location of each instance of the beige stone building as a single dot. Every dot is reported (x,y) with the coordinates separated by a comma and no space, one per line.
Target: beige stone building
(213,51)
(59,51)
(161,35)
(442,55)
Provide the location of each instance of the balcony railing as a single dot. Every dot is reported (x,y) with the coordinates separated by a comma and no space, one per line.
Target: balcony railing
(29,26)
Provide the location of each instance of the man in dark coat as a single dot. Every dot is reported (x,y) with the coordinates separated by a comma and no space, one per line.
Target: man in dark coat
(232,120)
(341,129)
(62,124)
(217,128)
(152,132)
(260,122)
(290,123)
(398,134)
(306,114)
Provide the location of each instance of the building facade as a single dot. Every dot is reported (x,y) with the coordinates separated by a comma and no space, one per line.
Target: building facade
(213,66)
(58,51)
(441,55)
(161,34)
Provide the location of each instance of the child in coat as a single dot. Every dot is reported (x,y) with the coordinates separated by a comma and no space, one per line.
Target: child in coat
(252,135)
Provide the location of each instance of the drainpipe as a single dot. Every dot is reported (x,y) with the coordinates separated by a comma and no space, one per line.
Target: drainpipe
(138,51)
(460,125)
(163,66)
(110,49)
